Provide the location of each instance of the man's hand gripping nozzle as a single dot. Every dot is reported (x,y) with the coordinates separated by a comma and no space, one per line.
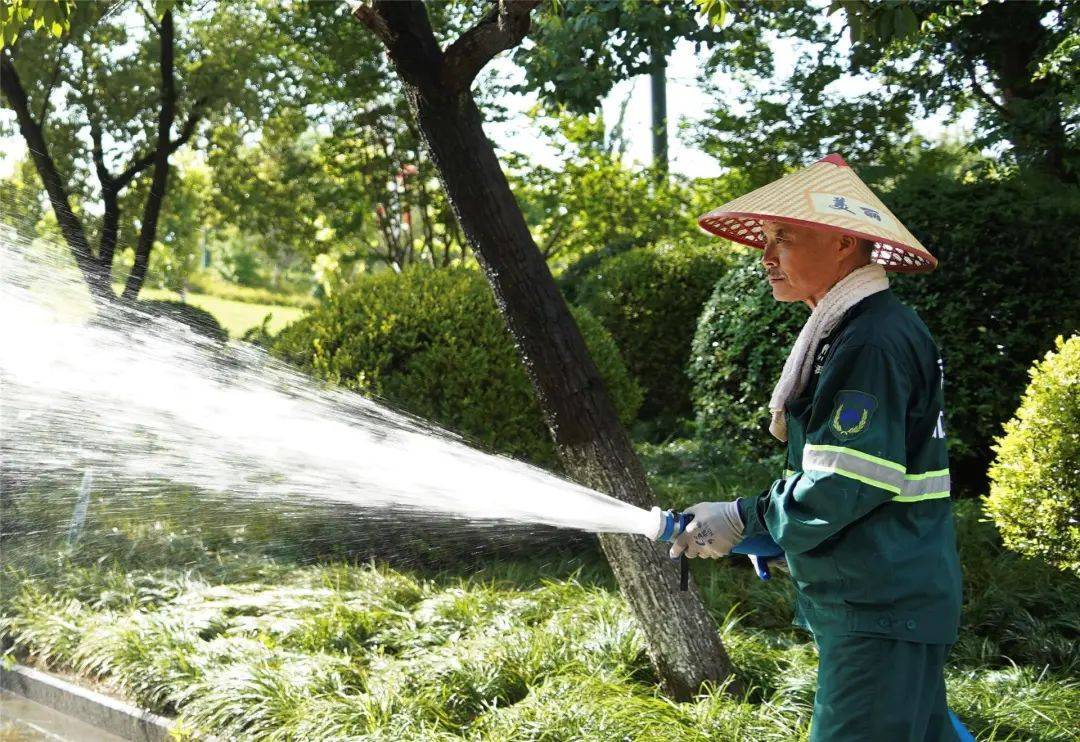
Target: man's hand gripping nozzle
(760,549)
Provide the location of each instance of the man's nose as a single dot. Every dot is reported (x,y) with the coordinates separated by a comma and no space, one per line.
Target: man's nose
(768,256)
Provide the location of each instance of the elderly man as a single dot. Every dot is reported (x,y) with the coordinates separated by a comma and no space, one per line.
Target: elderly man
(863,512)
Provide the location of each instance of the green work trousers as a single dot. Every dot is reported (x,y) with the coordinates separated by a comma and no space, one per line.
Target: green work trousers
(881,690)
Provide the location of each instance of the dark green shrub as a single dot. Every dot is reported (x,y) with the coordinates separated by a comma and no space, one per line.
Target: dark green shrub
(197,319)
(1035,478)
(742,339)
(1007,284)
(650,299)
(434,343)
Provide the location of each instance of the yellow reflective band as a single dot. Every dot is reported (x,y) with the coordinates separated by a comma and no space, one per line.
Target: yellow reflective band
(927,474)
(865,480)
(857,454)
(917,498)
(877,472)
(789,473)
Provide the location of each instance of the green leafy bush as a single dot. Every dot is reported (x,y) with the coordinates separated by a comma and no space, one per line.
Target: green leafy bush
(1035,479)
(742,339)
(197,319)
(1006,285)
(650,299)
(434,343)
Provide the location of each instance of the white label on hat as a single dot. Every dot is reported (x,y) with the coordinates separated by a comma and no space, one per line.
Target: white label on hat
(836,205)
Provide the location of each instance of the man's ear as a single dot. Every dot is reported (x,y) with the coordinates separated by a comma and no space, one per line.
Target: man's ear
(848,244)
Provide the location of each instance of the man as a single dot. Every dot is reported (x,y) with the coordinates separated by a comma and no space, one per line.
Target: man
(863,513)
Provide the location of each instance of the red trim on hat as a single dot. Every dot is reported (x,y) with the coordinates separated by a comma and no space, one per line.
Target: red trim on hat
(816,225)
(834,159)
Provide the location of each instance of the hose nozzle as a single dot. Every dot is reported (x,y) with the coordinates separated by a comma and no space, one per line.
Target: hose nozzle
(670,525)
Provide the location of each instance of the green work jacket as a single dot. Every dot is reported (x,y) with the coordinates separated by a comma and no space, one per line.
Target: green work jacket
(863,511)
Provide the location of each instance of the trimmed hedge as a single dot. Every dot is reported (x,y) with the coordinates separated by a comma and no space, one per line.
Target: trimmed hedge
(650,299)
(199,320)
(1007,284)
(1035,480)
(434,343)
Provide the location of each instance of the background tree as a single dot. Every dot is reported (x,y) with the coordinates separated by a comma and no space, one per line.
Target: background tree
(96,121)
(681,637)
(1014,62)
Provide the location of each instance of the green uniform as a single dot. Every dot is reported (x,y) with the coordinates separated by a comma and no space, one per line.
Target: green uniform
(864,517)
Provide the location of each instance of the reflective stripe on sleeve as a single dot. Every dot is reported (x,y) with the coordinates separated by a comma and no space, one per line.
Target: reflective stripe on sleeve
(877,472)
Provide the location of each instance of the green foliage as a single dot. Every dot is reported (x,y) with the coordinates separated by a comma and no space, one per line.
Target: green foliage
(199,320)
(649,299)
(48,16)
(1006,286)
(434,343)
(743,336)
(593,205)
(1035,492)
(966,54)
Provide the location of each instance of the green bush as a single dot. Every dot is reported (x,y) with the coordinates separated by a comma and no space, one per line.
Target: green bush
(199,320)
(1035,479)
(650,299)
(434,343)
(742,339)
(1006,285)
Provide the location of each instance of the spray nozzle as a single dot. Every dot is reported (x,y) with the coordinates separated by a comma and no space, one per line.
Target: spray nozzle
(670,524)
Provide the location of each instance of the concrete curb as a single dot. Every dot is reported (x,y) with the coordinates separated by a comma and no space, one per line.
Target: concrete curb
(97,709)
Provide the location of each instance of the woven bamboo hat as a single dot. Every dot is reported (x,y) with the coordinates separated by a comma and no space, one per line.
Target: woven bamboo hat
(826,195)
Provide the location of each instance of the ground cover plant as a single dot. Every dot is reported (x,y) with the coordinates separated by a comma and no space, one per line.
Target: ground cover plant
(228,624)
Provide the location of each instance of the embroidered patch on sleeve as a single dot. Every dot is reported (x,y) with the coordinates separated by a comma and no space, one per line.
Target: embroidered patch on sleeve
(852,413)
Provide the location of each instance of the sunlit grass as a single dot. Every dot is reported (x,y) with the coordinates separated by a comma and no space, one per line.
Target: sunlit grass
(237,317)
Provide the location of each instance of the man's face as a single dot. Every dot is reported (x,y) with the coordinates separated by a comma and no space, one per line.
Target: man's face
(801,263)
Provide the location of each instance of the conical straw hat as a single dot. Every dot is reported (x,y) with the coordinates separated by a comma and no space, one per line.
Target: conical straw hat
(827,195)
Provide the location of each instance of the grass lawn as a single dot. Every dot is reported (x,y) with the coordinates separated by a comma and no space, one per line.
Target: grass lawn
(239,634)
(235,316)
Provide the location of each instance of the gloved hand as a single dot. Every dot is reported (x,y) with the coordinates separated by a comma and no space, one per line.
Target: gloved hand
(716,527)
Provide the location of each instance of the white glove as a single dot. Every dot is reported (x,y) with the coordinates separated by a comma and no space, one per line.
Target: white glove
(715,529)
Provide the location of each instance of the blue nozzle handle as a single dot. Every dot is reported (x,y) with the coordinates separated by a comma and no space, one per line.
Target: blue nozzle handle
(761,550)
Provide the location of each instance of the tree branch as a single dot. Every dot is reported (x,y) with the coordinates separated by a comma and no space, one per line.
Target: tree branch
(52,83)
(32,134)
(981,91)
(186,132)
(405,29)
(149,17)
(104,176)
(502,28)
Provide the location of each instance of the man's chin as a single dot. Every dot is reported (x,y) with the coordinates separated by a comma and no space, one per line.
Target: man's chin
(781,292)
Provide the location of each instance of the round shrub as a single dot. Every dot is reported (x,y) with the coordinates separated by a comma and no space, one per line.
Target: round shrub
(1006,285)
(650,299)
(434,343)
(742,339)
(199,320)
(1035,479)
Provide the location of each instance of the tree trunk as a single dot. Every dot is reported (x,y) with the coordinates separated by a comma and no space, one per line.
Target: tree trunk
(681,637)
(70,226)
(658,79)
(160,179)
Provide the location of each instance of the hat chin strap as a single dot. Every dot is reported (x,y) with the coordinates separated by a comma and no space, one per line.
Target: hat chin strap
(846,293)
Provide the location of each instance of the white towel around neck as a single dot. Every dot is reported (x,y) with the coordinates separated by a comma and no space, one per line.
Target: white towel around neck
(845,293)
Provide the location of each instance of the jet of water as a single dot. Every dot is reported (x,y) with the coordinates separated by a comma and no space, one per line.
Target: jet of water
(137,398)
